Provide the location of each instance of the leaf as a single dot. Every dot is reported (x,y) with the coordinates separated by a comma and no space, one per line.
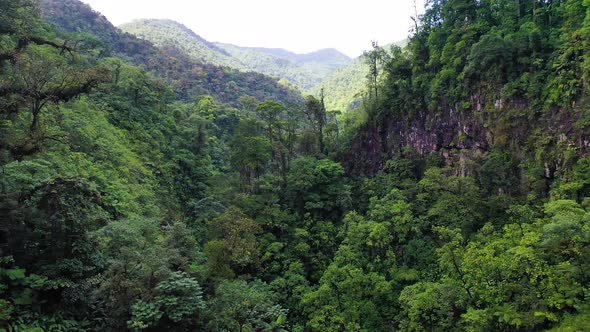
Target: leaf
(15,274)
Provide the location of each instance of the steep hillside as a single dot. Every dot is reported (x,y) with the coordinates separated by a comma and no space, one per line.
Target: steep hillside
(302,70)
(190,77)
(486,80)
(166,32)
(328,56)
(344,88)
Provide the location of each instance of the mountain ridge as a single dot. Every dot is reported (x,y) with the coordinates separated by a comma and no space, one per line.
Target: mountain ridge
(163,31)
(169,62)
(287,54)
(303,70)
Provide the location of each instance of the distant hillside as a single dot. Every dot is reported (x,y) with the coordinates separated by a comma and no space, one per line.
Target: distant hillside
(163,32)
(345,86)
(302,70)
(190,76)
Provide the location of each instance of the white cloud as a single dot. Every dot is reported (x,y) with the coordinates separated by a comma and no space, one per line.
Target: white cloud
(299,26)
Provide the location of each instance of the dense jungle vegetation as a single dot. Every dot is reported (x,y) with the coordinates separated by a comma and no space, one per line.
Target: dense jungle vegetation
(141,189)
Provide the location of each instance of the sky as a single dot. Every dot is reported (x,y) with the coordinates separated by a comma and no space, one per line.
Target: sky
(299,26)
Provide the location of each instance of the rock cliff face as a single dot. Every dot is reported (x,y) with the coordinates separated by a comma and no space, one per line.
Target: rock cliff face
(458,137)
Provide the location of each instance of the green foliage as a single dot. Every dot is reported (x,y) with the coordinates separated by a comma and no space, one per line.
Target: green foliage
(302,70)
(153,197)
(355,291)
(317,187)
(162,32)
(233,244)
(429,306)
(450,201)
(19,291)
(244,306)
(346,86)
(305,71)
(176,299)
(251,150)
(169,62)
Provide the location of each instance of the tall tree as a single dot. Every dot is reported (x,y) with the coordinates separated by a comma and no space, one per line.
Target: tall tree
(315,111)
(375,59)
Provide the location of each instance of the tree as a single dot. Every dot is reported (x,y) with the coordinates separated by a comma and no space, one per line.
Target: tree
(144,280)
(19,292)
(248,103)
(271,112)
(251,151)
(375,59)
(42,69)
(19,21)
(178,300)
(273,116)
(428,306)
(233,247)
(356,290)
(315,111)
(317,187)
(41,76)
(452,201)
(245,306)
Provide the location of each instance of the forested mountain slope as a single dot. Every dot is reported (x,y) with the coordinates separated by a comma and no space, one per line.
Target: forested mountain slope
(346,87)
(302,70)
(476,78)
(189,76)
(168,32)
(456,197)
(306,71)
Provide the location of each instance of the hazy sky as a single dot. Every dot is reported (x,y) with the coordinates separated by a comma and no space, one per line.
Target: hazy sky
(296,25)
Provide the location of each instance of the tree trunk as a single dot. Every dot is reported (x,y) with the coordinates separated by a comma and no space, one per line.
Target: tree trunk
(35,110)
(322,121)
